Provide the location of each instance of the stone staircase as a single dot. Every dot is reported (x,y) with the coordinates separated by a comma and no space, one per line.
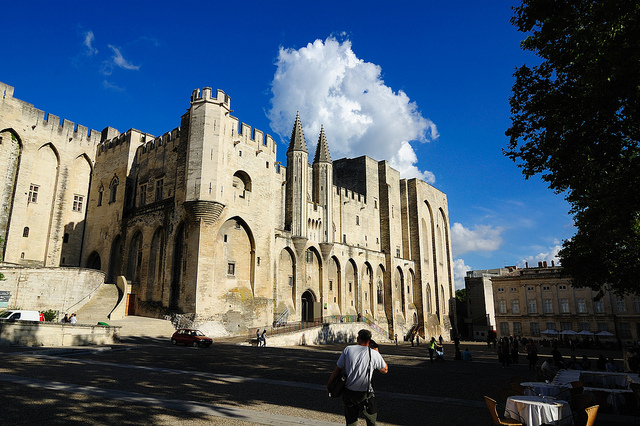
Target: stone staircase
(100,305)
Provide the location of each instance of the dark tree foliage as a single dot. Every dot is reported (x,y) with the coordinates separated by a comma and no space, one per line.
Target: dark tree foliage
(461,294)
(576,122)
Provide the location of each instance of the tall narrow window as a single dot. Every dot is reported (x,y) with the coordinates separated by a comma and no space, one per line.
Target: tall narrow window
(33,193)
(159,188)
(142,195)
(113,189)
(100,192)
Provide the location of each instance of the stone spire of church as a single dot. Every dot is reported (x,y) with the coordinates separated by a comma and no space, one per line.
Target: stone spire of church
(297,142)
(322,150)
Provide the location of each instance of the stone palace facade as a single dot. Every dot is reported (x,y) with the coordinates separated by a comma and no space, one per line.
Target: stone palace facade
(205,220)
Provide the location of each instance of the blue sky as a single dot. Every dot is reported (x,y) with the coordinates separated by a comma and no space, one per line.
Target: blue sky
(424,85)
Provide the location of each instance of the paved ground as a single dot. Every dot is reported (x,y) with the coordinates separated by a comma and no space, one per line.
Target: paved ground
(148,381)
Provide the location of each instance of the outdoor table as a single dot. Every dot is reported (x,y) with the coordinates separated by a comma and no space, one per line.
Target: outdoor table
(616,385)
(537,410)
(543,388)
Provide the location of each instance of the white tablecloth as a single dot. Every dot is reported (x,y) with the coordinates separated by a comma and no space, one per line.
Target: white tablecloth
(536,410)
(543,388)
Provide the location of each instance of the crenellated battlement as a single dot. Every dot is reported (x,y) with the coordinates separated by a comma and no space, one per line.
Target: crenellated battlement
(349,196)
(255,138)
(220,98)
(37,120)
(160,143)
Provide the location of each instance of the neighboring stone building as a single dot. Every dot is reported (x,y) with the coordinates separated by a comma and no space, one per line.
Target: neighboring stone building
(529,301)
(481,318)
(204,220)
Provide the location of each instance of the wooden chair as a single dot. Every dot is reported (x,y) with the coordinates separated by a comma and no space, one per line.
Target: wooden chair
(592,412)
(492,405)
(587,420)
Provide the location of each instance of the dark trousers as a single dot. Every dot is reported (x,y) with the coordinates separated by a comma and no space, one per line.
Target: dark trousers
(431,354)
(356,402)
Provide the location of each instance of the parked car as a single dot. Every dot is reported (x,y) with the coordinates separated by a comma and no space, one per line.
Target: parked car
(22,315)
(189,336)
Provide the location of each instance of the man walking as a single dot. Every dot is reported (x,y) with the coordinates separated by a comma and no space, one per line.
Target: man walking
(359,362)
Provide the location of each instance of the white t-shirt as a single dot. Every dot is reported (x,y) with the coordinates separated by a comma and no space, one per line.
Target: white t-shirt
(354,360)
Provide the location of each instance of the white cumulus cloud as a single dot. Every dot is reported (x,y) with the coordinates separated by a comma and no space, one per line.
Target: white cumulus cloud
(546,256)
(480,238)
(328,84)
(459,272)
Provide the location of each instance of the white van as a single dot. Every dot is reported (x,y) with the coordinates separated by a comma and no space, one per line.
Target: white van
(21,315)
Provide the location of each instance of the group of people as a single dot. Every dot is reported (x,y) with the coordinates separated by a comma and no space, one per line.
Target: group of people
(69,319)
(261,338)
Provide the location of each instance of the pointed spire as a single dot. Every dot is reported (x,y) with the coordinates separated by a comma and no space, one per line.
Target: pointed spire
(322,150)
(297,142)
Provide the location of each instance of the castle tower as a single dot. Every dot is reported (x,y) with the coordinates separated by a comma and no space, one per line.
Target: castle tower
(323,184)
(208,124)
(297,182)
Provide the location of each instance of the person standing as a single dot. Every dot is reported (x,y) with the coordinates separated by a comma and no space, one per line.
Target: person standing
(258,338)
(263,337)
(432,347)
(73,320)
(359,362)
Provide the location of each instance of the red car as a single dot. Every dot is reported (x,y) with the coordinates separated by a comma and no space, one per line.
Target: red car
(188,336)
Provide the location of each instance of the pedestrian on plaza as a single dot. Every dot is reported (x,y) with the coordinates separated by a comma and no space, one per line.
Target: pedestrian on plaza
(417,339)
(466,355)
(396,337)
(358,363)
(503,353)
(432,347)
(412,337)
(488,340)
(65,319)
(602,363)
(532,356)
(264,338)
(73,320)
(258,338)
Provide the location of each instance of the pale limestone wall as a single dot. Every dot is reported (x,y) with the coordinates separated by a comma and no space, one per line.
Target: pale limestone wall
(346,333)
(55,158)
(212,240)
(61,289)
(29,333)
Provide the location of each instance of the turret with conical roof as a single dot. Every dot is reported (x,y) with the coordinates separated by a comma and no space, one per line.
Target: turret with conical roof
(322,150)
(297,182)
(297,142)
(323,184)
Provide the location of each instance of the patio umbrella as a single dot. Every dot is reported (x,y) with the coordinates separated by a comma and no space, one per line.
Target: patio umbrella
(586,333)
(604,334)
(568,332)
(549,332)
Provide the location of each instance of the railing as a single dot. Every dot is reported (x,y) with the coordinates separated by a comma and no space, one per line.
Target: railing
(334,319)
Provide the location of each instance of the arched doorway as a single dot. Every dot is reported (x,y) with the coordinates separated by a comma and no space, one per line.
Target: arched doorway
(93,261)
(308,307)
(179,265)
